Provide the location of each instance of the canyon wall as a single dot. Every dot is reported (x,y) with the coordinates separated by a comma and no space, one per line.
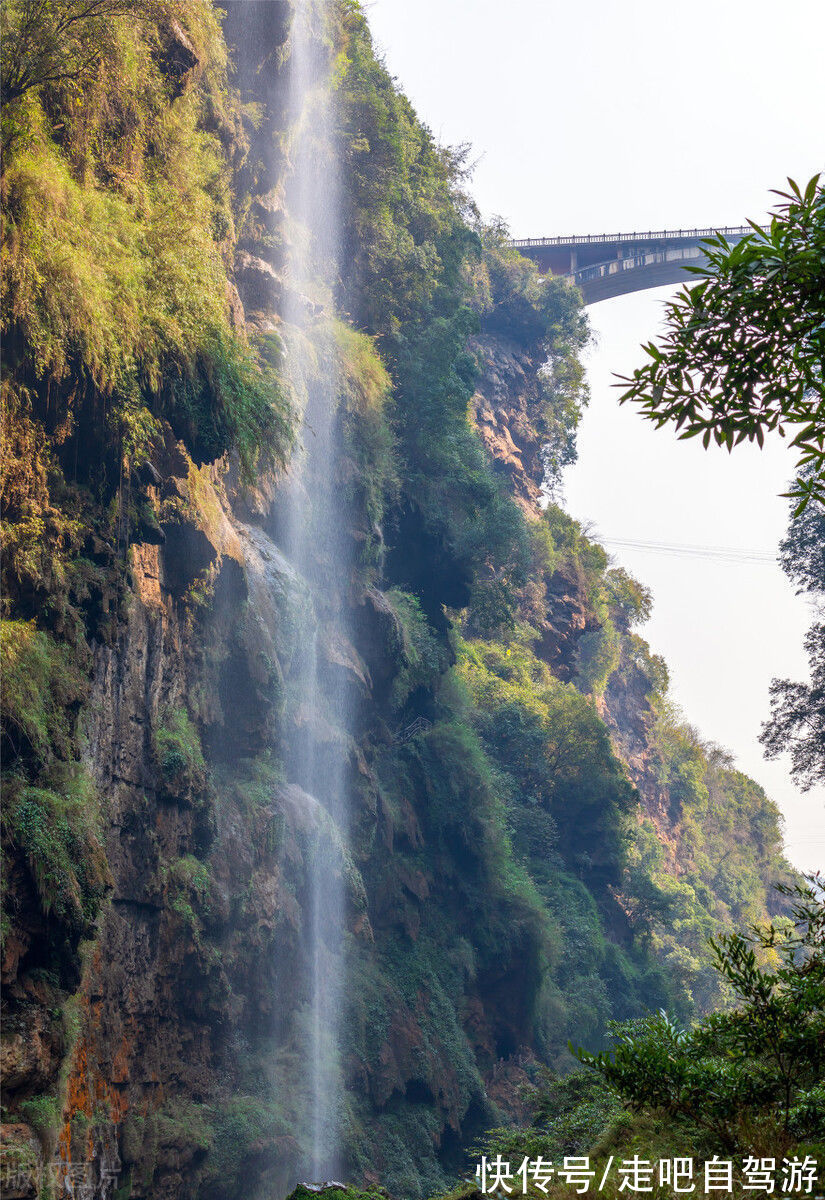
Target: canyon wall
(528,818)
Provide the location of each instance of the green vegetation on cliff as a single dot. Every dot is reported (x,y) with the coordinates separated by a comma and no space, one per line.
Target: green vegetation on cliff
(117,239)
(118,227)
(421,276)
(611,895)
(538,844)
(50,814)
(118,131)
(748,1079)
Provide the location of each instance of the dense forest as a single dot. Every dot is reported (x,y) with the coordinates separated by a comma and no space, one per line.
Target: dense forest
(536,852)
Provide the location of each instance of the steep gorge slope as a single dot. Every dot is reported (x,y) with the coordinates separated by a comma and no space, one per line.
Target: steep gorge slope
(506,886)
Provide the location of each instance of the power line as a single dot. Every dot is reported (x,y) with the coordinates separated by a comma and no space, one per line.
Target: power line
(729,554)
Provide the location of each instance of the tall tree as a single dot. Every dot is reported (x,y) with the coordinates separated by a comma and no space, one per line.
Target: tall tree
(797,722)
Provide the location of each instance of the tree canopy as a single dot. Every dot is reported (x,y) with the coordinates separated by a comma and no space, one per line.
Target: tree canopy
(755,1070)
(797,722)
(742,354)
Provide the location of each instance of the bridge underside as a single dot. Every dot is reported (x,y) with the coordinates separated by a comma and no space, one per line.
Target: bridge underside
(607,266)
(618,278)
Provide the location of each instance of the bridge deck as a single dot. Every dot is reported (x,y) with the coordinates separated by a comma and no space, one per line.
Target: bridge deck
(611,264)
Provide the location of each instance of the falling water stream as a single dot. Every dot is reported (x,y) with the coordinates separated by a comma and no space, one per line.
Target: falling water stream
(314,539)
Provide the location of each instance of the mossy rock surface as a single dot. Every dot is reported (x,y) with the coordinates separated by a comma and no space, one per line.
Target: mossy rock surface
(462,1191)
(337,1191)
(20,1161)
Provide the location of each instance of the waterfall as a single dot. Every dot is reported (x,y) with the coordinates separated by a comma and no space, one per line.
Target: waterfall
(313,537)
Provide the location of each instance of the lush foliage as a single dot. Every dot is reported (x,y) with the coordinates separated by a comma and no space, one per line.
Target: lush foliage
(421,276)
(42,685)
(178,754)
(117,232)
(568,1116)
(557,751)
(570,814)
(454,917)
(744,347)
(685,870)
(405,233)
(748,1079)
(59,43)
(717,877)
(366,403)
(51,817)
(424,657)
(797,722)
(117,216)
(58,831)
(515,301)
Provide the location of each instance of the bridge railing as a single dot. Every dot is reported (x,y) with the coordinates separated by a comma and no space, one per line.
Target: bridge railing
(655,235)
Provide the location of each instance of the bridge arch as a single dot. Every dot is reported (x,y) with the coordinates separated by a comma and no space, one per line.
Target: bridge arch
(608,265)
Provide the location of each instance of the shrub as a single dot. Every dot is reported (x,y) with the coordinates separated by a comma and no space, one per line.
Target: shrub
(179,755)
(569,1115)
(58,832)
(750,1078)
(41,687)
(424,657)
(114,210)
(43,1114)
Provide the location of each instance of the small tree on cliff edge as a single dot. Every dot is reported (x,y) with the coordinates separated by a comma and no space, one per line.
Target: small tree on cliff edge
(752,1078)
(743,350)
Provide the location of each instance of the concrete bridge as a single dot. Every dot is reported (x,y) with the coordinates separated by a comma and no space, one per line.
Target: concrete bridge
(604,265)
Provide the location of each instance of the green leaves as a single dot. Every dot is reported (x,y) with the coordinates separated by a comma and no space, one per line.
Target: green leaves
(42,687)
(117,221)
(58,832)
(797,723)
(743,351)
(757,1066)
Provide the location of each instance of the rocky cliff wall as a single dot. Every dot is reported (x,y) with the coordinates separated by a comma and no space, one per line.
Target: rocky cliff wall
(182,1073)
(159,1043)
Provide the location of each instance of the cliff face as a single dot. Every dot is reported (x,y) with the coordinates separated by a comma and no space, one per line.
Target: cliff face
(696,812)
(183,1069)
(505,406)
(199,959)
(508,413)
(158,939)
(186,1076)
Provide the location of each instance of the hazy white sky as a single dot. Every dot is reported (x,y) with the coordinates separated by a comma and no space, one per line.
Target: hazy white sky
(602,116)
